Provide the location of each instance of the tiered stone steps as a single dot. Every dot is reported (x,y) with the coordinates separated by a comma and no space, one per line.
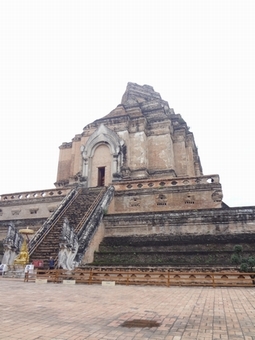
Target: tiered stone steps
(169,250)
(76,213)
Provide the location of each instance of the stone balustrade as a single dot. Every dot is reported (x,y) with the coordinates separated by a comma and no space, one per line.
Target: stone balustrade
(29,195)
(159,183)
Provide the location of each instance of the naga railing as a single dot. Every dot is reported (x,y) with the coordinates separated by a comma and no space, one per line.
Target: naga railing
(86,216)
(53,219)
(90,210)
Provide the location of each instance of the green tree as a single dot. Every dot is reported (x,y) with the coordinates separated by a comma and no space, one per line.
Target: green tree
(238,249)
(247,264)
(236,258)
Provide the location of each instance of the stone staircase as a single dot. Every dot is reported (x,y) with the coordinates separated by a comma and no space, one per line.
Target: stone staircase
(77,208)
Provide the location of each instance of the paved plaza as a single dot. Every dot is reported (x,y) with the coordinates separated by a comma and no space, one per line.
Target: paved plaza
(75,312)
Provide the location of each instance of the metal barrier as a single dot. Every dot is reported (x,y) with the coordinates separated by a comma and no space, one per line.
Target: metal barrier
(135,277)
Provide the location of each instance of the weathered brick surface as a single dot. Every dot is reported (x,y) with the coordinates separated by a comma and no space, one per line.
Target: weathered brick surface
(143,137)
(193,238)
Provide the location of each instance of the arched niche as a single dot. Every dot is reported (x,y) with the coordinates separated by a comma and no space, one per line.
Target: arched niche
(102,157)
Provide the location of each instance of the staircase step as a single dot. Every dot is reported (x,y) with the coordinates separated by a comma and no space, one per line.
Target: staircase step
(75,214)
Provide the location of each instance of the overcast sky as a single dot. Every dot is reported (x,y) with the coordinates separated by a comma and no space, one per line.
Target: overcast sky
(64,64)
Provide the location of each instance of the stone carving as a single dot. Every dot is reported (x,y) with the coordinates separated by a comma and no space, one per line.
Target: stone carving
(135,202)
(161,200)
(125,172)
(217,196)
(16,212)
(68,247)
(12,245)
(189,199)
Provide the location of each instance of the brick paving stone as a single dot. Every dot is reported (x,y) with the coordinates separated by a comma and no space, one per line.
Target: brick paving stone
(31,311)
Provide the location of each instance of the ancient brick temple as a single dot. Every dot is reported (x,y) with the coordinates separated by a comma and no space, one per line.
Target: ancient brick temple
(141,147)
(132,186)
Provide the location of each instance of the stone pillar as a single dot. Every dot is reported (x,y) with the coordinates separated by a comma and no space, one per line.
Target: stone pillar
(198,171)
(180,153)
(85,167)
(138,152)
(190,157)
(115,164)
(138,159)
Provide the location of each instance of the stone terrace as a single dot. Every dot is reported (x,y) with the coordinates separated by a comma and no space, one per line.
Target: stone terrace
(32,311)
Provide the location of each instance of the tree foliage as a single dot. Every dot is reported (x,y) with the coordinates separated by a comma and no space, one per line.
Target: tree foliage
(247,264)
